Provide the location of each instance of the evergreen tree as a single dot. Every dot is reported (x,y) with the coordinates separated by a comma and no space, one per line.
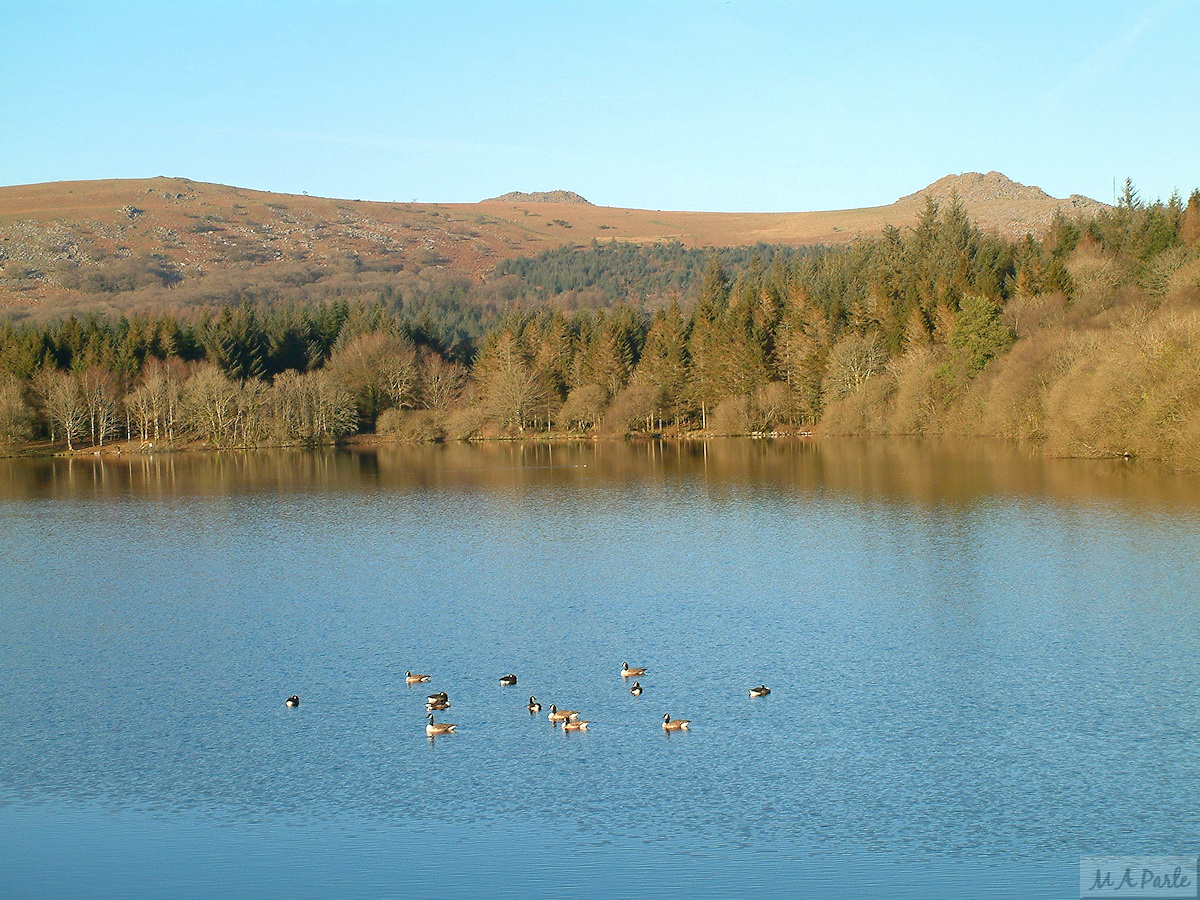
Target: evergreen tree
(979,333)
(802,348)
(664,364)
(1189,228)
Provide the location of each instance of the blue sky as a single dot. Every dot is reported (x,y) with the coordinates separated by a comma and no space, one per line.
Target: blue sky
(738,105)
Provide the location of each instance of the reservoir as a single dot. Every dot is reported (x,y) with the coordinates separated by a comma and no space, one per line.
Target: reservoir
(983,667)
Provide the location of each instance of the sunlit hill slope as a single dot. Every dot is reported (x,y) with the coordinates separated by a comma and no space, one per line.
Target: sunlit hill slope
(96,244)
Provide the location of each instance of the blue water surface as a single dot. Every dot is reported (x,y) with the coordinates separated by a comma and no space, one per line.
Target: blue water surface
(983,668)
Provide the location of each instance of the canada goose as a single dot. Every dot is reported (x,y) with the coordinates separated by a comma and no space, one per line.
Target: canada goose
(561,715)
(438,727)
(761,691)
(534,706)
(508,680)
(439,697)
(636,690)
(410,678)
(293,700)
(575,725)
(670,724)
(438,705)
(627,672)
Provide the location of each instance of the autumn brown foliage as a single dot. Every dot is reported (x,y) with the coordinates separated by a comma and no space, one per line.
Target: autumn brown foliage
(1086,343)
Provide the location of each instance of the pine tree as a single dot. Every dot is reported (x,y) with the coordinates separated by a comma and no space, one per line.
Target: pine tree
(801,350)
(979,333)
(1189,228)
(664,363)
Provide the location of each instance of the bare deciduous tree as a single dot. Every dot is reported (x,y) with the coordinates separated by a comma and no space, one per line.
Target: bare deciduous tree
(65,406)
(154,403)
(442,382)
(853,359)
(210,405)
(99,389)
(583,408)
(16,418)
(379,369)
(312,407)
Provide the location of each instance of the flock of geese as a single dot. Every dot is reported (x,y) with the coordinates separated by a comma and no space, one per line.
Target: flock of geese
(569,719)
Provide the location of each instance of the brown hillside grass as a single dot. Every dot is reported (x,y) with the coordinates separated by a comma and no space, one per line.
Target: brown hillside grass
(52,235)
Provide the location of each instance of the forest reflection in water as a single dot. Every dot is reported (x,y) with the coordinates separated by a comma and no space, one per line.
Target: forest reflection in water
(922,472)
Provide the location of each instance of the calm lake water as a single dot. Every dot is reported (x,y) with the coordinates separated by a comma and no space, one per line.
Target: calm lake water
(984,666)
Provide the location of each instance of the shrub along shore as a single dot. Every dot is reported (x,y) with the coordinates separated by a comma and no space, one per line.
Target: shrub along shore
(1086,342)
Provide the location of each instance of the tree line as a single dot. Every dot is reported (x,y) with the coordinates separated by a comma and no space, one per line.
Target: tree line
(935,328)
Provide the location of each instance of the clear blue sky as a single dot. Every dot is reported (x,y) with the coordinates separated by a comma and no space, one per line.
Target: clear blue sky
(733,105)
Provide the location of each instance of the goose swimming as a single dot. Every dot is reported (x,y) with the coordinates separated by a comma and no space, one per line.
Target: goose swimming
(438,727)
(561,715)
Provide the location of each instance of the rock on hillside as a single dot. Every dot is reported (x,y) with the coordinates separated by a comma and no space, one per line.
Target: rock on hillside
(997,202)
(539,197)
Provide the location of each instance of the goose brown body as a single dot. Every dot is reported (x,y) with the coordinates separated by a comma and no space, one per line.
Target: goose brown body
(562,715)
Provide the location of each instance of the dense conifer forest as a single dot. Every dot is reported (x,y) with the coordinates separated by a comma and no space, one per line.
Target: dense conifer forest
(1086,342)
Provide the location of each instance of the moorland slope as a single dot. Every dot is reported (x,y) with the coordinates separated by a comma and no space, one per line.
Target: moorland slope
(90,245)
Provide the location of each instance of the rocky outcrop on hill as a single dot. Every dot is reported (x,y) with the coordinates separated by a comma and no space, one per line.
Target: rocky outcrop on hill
(996,201)
(539,197)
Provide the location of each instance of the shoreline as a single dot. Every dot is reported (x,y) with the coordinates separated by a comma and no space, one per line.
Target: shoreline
(132,449)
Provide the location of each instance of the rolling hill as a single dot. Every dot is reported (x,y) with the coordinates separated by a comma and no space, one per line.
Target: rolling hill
(94,244)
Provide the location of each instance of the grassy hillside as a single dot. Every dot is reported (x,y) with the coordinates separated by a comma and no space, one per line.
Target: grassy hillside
(173,244)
